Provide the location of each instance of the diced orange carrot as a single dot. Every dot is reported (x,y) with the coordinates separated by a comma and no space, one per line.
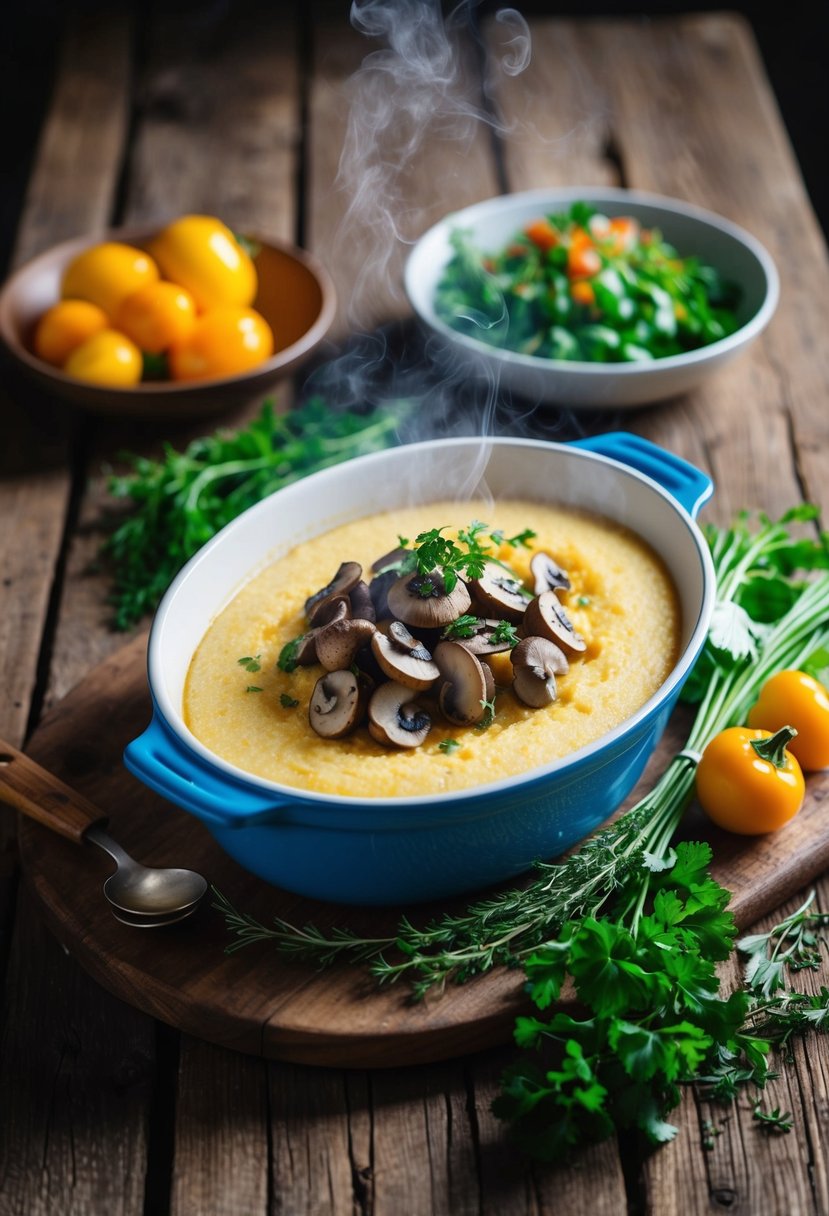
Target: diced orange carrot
(583,293)
(582,259)
(543,234)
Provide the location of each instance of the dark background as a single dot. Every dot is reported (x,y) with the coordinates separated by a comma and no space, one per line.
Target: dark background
(793,40)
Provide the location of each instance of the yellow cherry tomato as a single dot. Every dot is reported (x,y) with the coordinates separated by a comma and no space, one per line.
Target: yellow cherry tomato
(223,342)
(107,273)
(748,783)
(795,697)
(64,326)
(203,255)
(107,358)
(157,315)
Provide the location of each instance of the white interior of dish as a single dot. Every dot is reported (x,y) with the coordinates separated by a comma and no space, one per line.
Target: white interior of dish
(414,475)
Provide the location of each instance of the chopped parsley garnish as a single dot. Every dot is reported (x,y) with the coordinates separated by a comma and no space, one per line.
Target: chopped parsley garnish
(465,626)
(489,715)
(254,688)
(448,746)
(505,631)
(468,556)
(250,662)
(287,655)
(287,701)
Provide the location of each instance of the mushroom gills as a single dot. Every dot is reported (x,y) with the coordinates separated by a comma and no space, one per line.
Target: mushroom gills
(337,704)
(395,719)
(463,693)
(548,574)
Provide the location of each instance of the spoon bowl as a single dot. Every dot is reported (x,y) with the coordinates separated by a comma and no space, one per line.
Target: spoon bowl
(144,891)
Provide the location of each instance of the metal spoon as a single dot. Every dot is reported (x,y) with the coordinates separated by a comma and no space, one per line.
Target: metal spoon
(140,896)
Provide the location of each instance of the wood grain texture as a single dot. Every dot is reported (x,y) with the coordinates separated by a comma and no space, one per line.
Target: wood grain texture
(37,793)
(76,1078)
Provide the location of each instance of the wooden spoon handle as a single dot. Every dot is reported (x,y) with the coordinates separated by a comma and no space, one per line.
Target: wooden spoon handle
(41,796)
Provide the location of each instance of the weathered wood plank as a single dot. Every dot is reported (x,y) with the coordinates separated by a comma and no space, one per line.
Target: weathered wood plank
(221,1135)
(311,1168)
(72,188)
(395,141)
(76,1078)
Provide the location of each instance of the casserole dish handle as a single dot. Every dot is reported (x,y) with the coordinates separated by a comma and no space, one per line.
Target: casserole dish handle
(161,762)
(685,482)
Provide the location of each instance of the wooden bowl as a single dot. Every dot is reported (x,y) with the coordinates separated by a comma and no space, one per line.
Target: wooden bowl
(296,297)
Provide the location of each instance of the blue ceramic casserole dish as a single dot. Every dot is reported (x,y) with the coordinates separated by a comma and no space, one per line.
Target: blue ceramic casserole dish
(404,850)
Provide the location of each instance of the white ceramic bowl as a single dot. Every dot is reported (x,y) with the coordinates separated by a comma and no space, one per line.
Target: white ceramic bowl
(691,230)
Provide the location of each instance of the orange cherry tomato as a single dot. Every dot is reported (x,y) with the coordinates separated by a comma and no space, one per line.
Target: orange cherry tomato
(543,234)
(203,255)
(583,261)
(157,315)
(583,293)
(105,274)
(748,783)
(795,697)
(64,326)
(623,233)
(223,342)
(107,358)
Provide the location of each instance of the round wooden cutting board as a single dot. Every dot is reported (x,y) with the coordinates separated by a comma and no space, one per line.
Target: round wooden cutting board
(257,1000)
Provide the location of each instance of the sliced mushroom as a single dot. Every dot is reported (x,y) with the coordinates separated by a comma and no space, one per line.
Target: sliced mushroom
(379,591)
(338,643)
(348,575)
(464,689)
(421,600)
(536,662)
(481,641)
(548,574)
(546,618)
(489,682)
(361,602)
(337,704)
(306,652)
(332,608)
(500,593)
(403,658)
(393,558)
(395,719)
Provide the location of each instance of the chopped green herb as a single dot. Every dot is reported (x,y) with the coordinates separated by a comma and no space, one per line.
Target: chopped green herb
(287,701)
(287,655)
(464,627)
(449,745)
(583,601)
(254,688)
(489,715)
(434,552)
(772,1120)
(504,631)
(250,662)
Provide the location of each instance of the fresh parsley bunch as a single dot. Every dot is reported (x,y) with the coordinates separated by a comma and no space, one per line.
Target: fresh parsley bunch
(180,501)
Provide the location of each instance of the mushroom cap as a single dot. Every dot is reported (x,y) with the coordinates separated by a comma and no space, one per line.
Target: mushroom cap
(536,662)
(546,618)
(463,692)
(409,665)
(305,654)
(408,603)
(336,705)
(392,558)
(334,607)
(548,574)
(347,576)
(338,643)
(362,605)
(395,719)
(378,589)
(500,593)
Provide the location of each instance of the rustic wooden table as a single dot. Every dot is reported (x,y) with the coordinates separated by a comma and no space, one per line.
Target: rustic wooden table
(244,115)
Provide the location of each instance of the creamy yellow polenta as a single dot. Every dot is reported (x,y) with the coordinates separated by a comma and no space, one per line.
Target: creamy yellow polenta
(622,601)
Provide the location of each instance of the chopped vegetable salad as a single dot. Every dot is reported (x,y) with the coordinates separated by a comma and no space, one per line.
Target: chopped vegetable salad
(582,286)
